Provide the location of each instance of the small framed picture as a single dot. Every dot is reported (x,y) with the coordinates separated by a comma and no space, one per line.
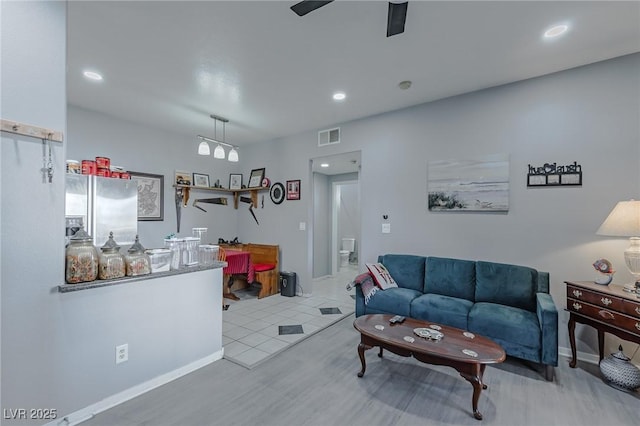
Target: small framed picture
(293,189)
(183,178)
(255,179)
(201,180)
(235,181)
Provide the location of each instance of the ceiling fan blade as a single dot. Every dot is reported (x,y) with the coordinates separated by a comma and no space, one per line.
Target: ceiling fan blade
(307,6)
(396,18)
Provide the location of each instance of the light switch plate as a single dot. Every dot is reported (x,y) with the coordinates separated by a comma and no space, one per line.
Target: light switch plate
(303,226)
(386,228)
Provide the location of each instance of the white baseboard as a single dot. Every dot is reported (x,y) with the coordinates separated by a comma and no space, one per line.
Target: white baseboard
(89,412)
(581,356)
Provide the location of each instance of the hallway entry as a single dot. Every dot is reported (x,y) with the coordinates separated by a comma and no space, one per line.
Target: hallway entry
(336,213)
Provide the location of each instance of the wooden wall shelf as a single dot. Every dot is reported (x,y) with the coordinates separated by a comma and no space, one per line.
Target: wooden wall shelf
(253,192)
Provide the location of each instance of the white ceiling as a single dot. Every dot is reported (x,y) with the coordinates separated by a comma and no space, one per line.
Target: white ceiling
(171,64)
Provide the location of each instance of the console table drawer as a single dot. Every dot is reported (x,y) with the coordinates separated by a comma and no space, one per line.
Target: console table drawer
(607,316)
(631,308)
(605,300)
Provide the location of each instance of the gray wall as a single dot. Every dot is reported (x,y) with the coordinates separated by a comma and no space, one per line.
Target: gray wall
(58,350)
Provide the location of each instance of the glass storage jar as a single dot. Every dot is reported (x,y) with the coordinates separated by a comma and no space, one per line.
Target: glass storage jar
(111,263)
(138,262)
(176,246)
(81,258)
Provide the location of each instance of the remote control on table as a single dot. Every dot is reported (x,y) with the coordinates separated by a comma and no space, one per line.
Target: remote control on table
(396,320)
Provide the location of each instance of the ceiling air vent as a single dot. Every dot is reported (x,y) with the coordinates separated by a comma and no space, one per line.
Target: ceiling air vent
(329,136)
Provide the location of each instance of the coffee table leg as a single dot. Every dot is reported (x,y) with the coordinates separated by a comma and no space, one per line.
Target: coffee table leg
(361,348)
(475,378)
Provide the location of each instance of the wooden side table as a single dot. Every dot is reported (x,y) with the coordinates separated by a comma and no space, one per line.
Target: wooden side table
(607,308)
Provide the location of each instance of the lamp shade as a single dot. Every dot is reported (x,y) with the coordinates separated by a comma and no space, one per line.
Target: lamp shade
(623,221)
(203,148)
(233,155)
(218,152)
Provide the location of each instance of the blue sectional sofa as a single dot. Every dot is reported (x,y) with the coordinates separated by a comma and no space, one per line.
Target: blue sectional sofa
(509,304)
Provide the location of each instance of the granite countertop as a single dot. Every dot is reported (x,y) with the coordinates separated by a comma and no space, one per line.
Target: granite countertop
(65,288)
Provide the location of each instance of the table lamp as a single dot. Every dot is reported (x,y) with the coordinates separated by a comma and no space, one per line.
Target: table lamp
(624,221)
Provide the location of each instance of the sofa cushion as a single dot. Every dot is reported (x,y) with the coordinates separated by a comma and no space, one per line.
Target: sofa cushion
(506,323)
(395,300)
(451,277)
(406,269)
(441,309)
(510,285)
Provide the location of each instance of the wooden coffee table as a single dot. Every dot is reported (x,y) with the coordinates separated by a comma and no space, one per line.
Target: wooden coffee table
(469,354)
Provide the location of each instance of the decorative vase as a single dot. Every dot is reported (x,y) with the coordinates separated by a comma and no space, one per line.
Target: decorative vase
(619,373)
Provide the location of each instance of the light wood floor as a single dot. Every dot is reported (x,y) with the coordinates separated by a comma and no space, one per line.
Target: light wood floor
(315,383)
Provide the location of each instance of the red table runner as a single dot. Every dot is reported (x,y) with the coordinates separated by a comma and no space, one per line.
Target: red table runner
(239,262)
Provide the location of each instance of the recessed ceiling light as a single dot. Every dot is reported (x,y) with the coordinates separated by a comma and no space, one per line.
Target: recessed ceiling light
(556,30)
(92,75)
(325,165)
(339,96)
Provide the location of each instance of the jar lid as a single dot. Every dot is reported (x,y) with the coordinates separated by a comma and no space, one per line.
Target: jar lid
(620,355)
(136,247)
(110,245)
(81,235)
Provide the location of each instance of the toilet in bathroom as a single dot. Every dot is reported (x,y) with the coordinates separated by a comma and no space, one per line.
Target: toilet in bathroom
(348,246)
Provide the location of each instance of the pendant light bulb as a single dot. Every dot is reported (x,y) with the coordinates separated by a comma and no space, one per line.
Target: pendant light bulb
(233,155)
(203,148)
(219,152)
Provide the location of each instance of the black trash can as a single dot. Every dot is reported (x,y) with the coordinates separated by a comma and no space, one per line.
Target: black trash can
(288,284)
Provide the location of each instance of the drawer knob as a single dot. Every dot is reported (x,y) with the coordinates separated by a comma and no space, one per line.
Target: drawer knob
(606,315)
(577,293)
(577,306)
(638,325)
(638,310)
(606,301)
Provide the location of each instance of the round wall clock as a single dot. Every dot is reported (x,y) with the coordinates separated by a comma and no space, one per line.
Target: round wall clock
(277,193)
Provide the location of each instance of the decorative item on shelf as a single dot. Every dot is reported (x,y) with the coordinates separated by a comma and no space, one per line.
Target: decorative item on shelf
(137,260)
(182,178)
(235,181)
(201,180)
(618,372)
(255,178)
(624,221)
(266,182)
(111,261)
(81,264)
(604,267)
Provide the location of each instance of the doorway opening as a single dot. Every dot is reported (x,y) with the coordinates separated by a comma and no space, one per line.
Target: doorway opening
(336,215)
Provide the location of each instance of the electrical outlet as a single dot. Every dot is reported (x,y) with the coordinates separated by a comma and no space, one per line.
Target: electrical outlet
(386,228)
(122,353)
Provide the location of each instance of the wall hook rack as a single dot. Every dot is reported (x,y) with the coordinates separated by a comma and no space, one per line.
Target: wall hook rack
(11,126)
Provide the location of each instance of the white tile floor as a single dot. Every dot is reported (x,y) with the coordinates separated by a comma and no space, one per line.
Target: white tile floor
(250,327)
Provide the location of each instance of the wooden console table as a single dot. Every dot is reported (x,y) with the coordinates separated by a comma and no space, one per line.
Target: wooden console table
(607,308)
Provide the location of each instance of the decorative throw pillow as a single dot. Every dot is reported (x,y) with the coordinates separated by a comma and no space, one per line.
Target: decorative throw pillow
(381,276)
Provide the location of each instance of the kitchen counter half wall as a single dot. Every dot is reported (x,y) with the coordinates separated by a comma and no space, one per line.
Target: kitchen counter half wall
(65,288)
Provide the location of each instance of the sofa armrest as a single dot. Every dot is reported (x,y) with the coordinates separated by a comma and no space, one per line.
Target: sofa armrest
(548,319)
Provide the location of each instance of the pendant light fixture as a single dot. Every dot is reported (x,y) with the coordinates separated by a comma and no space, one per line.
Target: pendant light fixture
(218,152)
